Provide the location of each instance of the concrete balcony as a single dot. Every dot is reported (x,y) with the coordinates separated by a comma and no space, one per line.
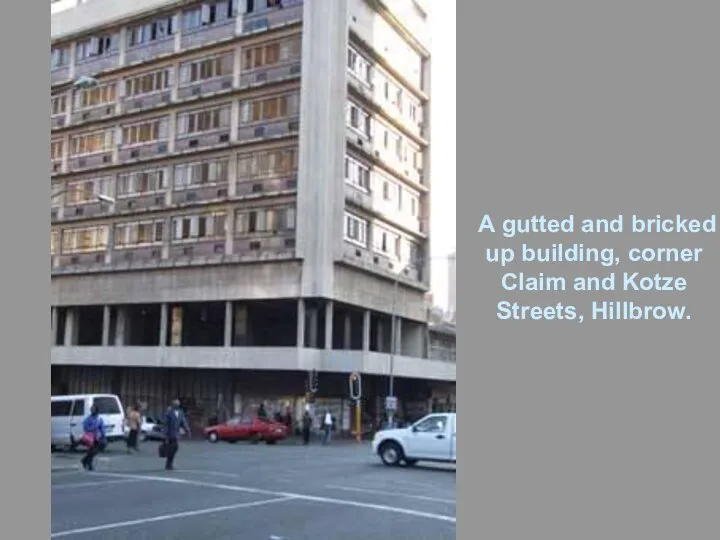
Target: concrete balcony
(82,260)
(265,186)
(266,358)
(291,12)
(143,53)
(265,244)
(202,249)
(358,197)
(143,254)
(85,210)
(375,262)
(142,151)
(262,76)
(259,131)
(202,140)
(80,163)
(203,88)
(147,101)
(60,75)
(126,204)
(94,65)
(95,113)
(199,194)
(208,34)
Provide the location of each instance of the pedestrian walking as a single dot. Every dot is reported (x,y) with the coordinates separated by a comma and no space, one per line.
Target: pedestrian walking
(306,425)
(174,421)
(262,413)
(93,436)
(327,427)
(134,422)
(288,420)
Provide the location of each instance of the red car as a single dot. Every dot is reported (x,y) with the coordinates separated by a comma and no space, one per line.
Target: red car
(247,429)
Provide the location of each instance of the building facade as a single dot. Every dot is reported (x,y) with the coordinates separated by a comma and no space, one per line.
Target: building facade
(240,201)
(452,286)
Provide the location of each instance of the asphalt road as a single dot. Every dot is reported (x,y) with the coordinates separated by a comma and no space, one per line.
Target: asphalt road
(248,492)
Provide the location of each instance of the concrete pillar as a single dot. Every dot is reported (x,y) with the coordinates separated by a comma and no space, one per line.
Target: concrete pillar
(313,320)
(347,332)
(53,326)
(379,338)
(328,324)
(228,324)
(120,326)
(366,331)
(300,341)
(177,25)
(123,45)
(398,336)
(106,326)
(71,330)
(164,322)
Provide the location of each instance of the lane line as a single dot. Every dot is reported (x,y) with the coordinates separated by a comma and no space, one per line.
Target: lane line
(166,517)
(91,484)
(393,494)
(298,496)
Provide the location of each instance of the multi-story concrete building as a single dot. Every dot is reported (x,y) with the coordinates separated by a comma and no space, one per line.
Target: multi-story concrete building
(452,286)
(240,199)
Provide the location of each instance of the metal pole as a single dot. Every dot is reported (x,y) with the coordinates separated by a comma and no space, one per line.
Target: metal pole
(358,421)
(391,388)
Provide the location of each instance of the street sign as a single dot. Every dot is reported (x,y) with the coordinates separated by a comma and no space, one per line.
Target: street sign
(355,386)
(391,403)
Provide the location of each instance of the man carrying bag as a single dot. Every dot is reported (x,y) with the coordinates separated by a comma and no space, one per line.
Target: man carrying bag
(174,422)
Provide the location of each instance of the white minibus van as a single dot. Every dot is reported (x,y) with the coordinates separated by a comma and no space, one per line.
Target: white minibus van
(68,412)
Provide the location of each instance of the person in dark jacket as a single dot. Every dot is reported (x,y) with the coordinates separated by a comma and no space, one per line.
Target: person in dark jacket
(174,421)
(306,425)
(94,429)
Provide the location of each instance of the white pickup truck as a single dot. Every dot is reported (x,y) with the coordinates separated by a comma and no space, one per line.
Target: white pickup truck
(432,438)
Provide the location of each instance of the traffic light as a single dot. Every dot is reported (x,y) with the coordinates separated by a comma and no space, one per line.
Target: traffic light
(355,386)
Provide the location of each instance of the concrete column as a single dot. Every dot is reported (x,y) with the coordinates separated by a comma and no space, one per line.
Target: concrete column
(230,231)
(73,52)
(172,131)
(120,326)
(379,338)
(232,174)
(169,231)
(228,324)
(234,120)
(398,336)
(164,322)
(70,337)
(237,62)
(300,342)
(313,328)
(328,324)
(366,331)
(122,45)
(106,326)
(347,332)
(65,157)
(53,326)
(177,25)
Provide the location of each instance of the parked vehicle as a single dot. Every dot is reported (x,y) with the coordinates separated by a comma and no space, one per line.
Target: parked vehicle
(151,429)
(432,438)
(68,412)
(247,429)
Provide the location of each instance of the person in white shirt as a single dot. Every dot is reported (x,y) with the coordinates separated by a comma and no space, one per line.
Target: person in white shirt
(327,426)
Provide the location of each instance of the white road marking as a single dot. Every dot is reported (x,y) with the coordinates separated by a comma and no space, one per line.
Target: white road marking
(166,517)
(391,494)
(297,496)
(97,483)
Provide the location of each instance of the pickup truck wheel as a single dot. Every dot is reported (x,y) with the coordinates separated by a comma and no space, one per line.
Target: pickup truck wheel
(391,454)
(411,462)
